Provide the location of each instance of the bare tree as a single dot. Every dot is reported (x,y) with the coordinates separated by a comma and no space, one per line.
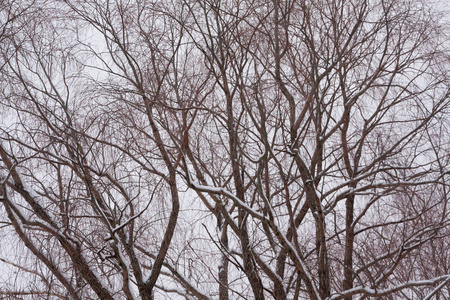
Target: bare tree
(225,149)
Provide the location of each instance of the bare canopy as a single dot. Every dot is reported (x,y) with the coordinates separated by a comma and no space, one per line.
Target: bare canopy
(224,149)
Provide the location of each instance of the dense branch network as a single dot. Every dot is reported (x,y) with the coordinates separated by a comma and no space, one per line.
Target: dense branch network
(224,149)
